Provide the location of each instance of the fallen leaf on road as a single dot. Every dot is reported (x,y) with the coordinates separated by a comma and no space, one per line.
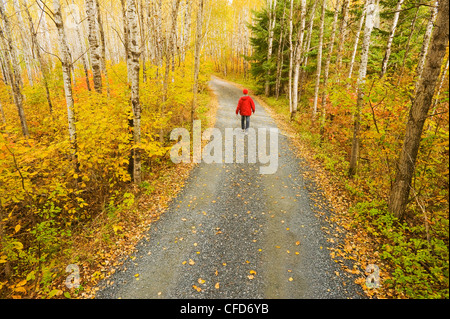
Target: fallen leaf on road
(217,285)
(197,288)
(201,281)
(291,279)
(191,262)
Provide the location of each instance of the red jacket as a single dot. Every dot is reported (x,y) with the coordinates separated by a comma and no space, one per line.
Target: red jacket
(245,106)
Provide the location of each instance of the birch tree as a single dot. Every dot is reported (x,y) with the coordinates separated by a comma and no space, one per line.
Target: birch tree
(94,46)
(102,46)
(66,70)
(342,34)
(272,22)
(291,53)
(25,44)
(327,65)
(13,69)
(37,51)
(297,59)
(391,38)
(426,43)
(418,114)
(319,59)
(198,46)
(361,81)
(357,36)
(133,74)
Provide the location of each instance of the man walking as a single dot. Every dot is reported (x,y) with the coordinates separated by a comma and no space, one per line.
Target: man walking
(245,107)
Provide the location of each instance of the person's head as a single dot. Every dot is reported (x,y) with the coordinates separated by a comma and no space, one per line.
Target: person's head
(245,92)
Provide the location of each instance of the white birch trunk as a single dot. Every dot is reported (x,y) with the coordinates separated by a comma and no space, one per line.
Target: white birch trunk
(94,46)
(198,45)
(327,64)
(298,56)
(426,43)
(25,46)
(355,48)
(361,81)
(134,63)
(186,29)
(319,59)
(342,35)
(391,38)
(102,46)
(37,50)
(291,54)
(272,22)
(66,69)
(13,69)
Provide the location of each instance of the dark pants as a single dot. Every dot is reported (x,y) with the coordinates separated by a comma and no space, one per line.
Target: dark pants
(245,120)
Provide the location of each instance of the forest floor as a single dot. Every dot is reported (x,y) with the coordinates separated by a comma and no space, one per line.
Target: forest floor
(234,233)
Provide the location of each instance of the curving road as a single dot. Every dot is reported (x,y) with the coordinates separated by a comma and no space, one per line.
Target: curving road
(234,233)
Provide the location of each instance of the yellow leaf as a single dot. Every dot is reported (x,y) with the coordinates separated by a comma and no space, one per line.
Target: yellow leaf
(252,272)
(117,228)
(291,279)
(20,289)
(191,262)
(217,285)
(197,288)
(17,228)
(201,281)
(20,284)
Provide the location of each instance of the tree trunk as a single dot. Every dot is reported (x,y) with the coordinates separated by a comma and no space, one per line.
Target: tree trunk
(327,68)
(298,57)
(66,69)
(83,57)
(198,45)
(126,42)
(319,59)
(280,54)
(143,41)
(426,43)
(272,22)
(134,63)
(94,46)
(405,56)
(418,113)
(342,35)
(391,38)
(361,81)
(102,46)
(37,50)
(186,30)
(357,36)
(307,45)
(25,45)
(291,54)
(13,69)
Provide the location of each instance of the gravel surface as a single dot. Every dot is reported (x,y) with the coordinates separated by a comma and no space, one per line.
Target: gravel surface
(234,233)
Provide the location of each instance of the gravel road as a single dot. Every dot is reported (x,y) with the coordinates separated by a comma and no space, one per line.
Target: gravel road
(234,233)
